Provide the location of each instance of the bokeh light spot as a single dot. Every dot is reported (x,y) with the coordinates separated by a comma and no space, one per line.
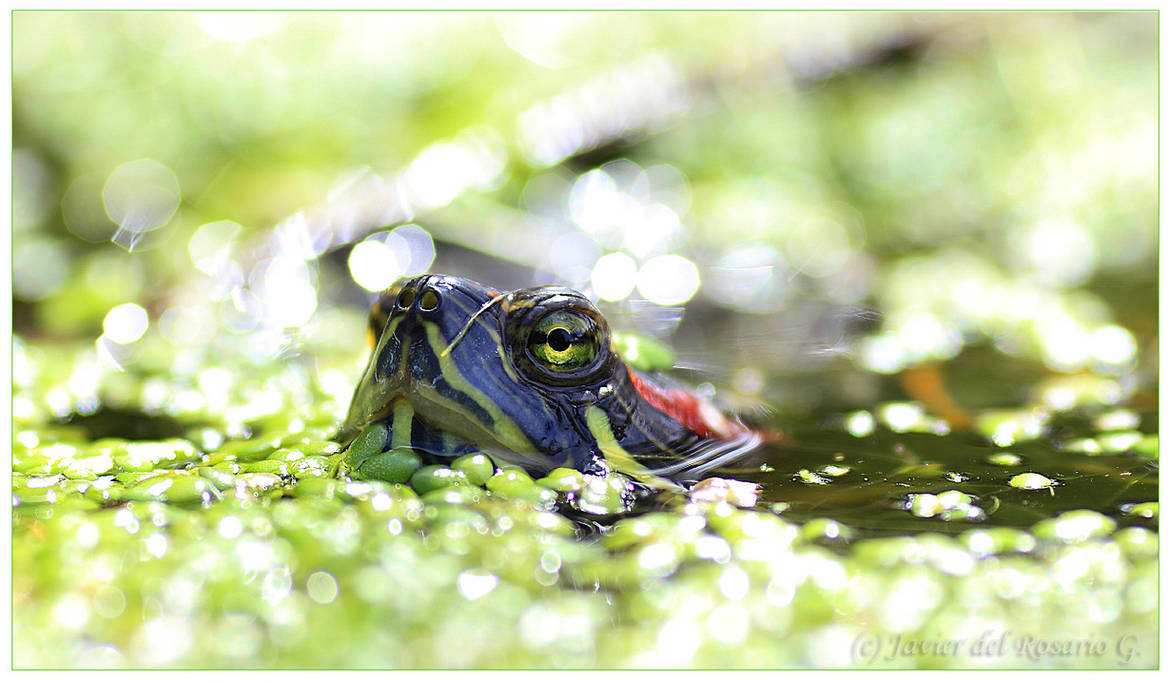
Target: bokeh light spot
(210,245)
(289,297)
(383,257)
(83,212)
(374,265)
(746,279)
(475,583)
(1058,250)
(418,246)
(322,587)
(126,323)
(614,276)
(668,280)
(1113,345)
(650,232)
(573,257)
(39,269)
(141,195)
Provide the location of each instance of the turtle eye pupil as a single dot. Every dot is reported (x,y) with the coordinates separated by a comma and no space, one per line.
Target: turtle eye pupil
(559,339)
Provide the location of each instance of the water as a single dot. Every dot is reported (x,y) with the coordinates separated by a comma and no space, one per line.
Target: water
(885,469)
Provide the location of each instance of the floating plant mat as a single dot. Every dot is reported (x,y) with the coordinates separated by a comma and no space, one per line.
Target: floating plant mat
(877,534)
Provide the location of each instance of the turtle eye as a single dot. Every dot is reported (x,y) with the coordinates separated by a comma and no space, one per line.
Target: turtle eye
(564,341)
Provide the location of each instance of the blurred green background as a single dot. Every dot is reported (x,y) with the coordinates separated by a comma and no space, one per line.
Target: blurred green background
(816,208)
(966,174)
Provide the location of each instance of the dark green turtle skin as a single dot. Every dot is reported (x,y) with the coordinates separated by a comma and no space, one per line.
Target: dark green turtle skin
(531,377)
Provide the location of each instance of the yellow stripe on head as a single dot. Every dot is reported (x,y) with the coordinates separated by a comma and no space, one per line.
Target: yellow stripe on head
(618,458)
(504,429)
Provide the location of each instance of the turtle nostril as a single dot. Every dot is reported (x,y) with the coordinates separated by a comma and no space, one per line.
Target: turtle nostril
(429,300)
(405,298)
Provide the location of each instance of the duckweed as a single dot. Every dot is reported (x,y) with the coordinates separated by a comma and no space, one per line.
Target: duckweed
(477,468)
(563,480)
(517,484)
(88,467)
(948,505)
(222,480)
(1138,542)
(187,489)
(266,550)
(1075,526)
(908,417)
(394,466)
(1146,510)
(259,481)
(249,450)
(604,495)
(643,352)
(452,495)
(151,456)
(268,466)
(739,493)
(1119,441)
(987,541)
(434,477)
(825,529)
(807,476)
(1007,459)
(834,470)
(368,443)
(1149,446)
(1030,481)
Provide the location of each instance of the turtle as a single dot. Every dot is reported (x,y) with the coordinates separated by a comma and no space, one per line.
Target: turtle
(534,378)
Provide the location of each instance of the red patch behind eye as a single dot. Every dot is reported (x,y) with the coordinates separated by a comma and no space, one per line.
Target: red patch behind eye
(684,407)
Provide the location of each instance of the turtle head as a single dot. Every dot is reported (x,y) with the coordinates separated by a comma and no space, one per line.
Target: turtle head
(507,373)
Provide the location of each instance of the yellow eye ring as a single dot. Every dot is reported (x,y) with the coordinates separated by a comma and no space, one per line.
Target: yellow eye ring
(564,341)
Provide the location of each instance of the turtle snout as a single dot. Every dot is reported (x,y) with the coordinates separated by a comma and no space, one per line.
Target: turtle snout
(422,297)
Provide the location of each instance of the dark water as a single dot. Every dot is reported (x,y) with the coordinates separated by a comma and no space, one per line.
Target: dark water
(129,424)
(885,469)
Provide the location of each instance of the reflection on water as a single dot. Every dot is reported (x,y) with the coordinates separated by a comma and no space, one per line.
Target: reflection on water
(871,484)
(897,468)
